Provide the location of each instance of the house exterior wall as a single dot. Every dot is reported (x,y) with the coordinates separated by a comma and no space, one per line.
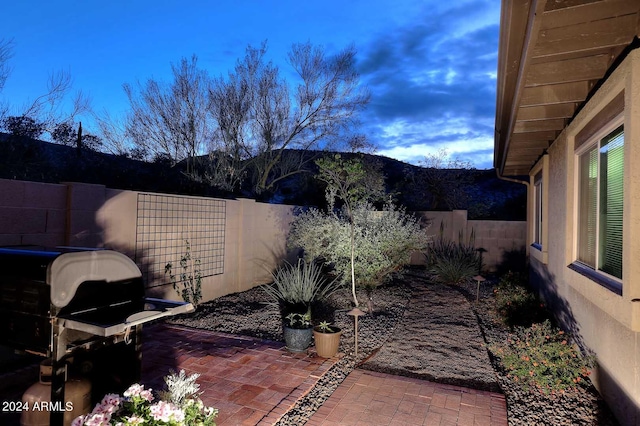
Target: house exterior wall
(607,323)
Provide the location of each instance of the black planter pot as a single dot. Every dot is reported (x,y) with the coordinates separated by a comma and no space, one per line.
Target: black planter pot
(297,339)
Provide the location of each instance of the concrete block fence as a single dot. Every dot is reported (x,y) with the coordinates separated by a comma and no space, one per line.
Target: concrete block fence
(237,242)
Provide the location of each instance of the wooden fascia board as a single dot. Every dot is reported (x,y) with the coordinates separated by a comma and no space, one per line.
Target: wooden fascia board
(516,46)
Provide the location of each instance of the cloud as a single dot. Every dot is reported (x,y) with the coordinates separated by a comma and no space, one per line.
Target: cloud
(433,82)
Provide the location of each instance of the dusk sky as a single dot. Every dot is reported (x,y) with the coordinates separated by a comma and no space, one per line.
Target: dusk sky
(430,65)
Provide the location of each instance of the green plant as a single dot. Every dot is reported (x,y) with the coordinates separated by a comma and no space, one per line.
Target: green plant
(453,262)
(384,241)
(300,284)
(541,357)
(326,327)
(188,281)
(349,181)
(296,320)
(516,304)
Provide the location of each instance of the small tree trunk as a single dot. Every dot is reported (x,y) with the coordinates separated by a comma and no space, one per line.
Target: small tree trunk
(353,254)
(353,260)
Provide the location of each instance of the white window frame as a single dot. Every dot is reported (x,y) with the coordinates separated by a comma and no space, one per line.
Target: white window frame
(539,210)
(609,281)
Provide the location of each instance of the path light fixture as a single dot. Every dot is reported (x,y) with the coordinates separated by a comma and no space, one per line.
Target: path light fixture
(479,279)
(355,312)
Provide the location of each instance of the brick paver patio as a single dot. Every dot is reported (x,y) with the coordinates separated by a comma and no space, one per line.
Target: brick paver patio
(372,398)
(254,382)
(251,381)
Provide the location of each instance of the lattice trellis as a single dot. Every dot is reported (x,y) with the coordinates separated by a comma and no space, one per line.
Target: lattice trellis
(165,223)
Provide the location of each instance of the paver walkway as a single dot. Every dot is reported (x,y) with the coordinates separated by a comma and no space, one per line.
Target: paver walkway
(254,382)
(372,398)
(251,381)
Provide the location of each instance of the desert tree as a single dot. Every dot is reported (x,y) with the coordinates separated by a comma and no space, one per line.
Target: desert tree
(171,119)
(260,114)
(349,180)
(115,140)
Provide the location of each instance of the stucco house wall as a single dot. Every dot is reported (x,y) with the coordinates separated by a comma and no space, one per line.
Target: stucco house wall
(607,323)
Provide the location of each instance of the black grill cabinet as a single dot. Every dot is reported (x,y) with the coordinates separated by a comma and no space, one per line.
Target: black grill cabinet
(65,303)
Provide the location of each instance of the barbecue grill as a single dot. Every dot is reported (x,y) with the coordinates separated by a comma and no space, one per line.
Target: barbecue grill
(66,303)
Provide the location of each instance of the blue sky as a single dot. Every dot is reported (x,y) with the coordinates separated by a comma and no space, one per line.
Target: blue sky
(430,65)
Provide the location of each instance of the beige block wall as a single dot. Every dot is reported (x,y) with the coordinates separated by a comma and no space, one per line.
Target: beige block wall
(87,215)
(606,322)
(32,213)
(496,237)
(254,242)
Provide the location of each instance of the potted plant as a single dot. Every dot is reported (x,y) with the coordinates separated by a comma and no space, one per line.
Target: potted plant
(327,338)
(297,331)
(295,288)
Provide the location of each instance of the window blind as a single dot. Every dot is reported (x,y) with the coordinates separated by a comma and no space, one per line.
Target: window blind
(611,203)
(588,207)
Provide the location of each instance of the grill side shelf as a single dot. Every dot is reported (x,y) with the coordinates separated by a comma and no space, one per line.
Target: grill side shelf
(154,309)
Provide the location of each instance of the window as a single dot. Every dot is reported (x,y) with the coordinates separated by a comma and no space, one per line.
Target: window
(537,212)
(600,202)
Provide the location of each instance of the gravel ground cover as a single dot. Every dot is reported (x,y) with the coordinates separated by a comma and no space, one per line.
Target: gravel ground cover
(581,407)
(410,306)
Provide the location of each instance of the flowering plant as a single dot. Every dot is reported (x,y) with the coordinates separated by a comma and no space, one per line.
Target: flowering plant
(180,406)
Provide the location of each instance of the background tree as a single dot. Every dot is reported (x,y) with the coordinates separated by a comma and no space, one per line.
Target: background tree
(171,119)
(23,126)
(67,133)
(44,113)
(6,52)
(260,115)
(441,183)
(447,180)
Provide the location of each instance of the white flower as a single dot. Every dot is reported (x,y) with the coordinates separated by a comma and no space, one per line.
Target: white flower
(166,412)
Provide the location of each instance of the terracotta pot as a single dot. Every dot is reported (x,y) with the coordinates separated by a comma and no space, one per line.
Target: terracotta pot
(297,339)
(327,343)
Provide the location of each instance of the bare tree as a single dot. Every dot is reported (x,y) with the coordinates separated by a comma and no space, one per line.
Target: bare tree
(112,131)
(171,119)
(6,52)
(260,115)
(446,180)
(48,108)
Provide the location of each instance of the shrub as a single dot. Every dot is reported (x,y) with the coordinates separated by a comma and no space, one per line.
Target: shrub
(384,241)
(516,304)
(453,262)
(296,287)
(541,357)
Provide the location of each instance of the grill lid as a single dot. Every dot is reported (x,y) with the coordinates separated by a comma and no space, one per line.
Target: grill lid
(64,269)
(70,269)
